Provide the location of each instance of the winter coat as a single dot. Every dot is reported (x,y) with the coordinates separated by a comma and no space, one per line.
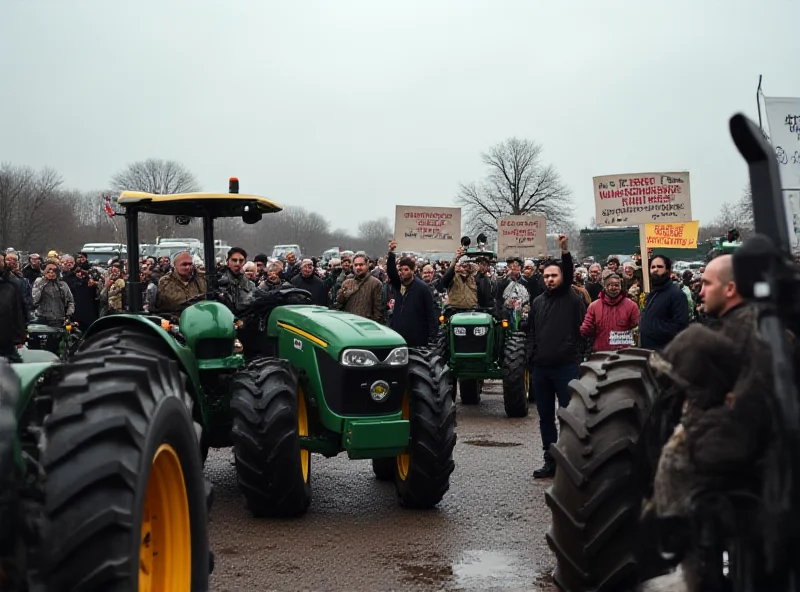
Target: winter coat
(362,297)
(610,321)
(86,305)
(52,299)
(413,315)
(13,328)
(665,315)
(312,283)
(554,323)
(173,292)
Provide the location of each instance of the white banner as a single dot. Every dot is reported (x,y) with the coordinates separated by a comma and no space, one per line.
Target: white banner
(791,200)
(783,118)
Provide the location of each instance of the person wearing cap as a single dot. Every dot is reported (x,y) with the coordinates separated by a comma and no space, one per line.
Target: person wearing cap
(308,280)
(33,270)
(611,319)
(413,314)
(463,292)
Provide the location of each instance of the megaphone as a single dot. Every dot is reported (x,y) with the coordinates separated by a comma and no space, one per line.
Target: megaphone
(482,240)
(465,241)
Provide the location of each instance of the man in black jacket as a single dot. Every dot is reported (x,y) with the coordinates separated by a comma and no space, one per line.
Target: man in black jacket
(666,312)
(413,315)
(13,322)
(554,348)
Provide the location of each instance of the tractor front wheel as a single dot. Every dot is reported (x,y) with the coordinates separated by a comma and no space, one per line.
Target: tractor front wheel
(422,474)
(269,417)
(515,384)
(602,475)
(125,500)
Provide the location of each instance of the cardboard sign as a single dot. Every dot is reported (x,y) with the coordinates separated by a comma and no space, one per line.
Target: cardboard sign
(420,228)
(631,200)
(672,236)
(521,236)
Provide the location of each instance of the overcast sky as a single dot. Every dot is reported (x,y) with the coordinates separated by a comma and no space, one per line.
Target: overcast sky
(349,108)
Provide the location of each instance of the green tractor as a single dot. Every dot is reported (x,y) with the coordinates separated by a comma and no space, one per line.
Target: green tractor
(101,483)
(486,344)
(725,245)
(310,380)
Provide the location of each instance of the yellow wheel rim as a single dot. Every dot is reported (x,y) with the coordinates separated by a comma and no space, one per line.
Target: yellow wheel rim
(165,552)
(527,381)
(302,430)
(404,460)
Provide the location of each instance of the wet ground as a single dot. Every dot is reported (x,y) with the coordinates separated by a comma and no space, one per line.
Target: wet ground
(487,534)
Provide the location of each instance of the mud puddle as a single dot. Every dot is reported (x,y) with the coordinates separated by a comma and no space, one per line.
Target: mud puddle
(492,443)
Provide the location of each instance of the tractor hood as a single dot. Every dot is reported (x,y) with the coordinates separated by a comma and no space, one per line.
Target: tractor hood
(332,330)
(471,319)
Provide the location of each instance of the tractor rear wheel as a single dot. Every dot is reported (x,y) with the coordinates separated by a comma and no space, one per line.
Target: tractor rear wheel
(9,395)
(602,473)
(269,416)
(422,475)
(515,385)
(469,391)
(125,501)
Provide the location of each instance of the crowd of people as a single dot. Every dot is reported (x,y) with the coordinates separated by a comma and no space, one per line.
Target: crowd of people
(568,310)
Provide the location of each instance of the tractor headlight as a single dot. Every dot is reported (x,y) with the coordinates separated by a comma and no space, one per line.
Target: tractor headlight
(398,357)
(459,331)
(480,331)
(359,358)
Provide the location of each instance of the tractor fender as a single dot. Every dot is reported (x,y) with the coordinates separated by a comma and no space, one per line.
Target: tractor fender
(29,375)
(183,355)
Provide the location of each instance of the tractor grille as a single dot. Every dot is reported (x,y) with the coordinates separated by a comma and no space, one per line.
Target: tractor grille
(469,344)
(347,389)
(213,347)
(44,340)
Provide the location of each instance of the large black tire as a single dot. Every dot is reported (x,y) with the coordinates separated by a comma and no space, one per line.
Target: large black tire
(469,391)
(602,473)
(443,351)
(422,476)
(125,494)
(267,408)
(9,395)
(515,387)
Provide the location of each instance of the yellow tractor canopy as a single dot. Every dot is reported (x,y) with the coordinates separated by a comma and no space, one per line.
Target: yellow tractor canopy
(196,205)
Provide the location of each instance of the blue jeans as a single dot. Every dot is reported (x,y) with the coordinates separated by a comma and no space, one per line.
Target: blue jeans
(549,382)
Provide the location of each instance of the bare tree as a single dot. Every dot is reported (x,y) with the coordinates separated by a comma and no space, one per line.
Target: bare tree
(374,235)
(155,176)
(517,183)
(745,206)
(28,200)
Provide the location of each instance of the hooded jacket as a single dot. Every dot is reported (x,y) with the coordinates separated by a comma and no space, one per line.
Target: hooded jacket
(610,321)
(554,322)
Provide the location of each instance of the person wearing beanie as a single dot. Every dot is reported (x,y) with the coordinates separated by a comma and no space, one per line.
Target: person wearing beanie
(413,315)
(611,319)
(308,280)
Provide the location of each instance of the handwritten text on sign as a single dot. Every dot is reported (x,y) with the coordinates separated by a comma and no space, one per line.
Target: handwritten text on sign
(522,236)
(783,116)
(419,228)
(628,200)
(672,236)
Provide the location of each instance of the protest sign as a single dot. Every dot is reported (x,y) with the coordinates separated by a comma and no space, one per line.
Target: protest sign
(783,117)
(521,236)
(672,236)
(421,228)
(629,200)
